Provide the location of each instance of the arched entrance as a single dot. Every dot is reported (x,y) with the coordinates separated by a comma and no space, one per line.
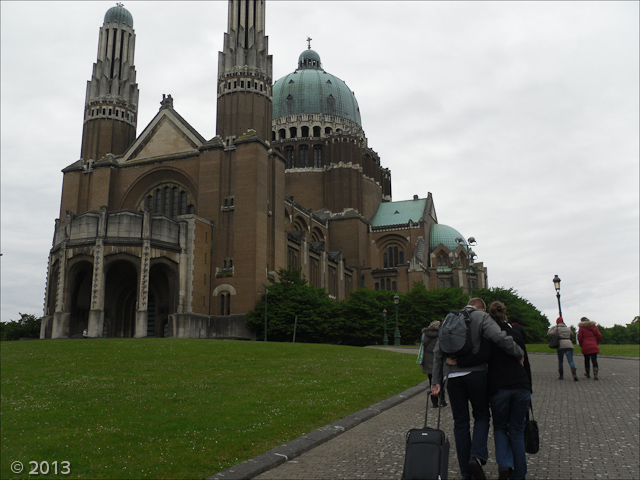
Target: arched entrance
(80,275)
(162,298)
(121,294)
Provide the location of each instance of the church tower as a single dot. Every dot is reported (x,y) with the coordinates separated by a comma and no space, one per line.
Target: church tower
(244,74)
(111,104)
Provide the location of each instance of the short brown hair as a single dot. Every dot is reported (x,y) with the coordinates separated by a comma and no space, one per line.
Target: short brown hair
(477,303)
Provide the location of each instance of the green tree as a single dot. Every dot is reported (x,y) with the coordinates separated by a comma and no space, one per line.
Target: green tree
(289,298)
(420,307)
(535,324)
(362,321)
(27,327)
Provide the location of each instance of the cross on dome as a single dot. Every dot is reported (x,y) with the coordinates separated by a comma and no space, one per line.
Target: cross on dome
(309,42)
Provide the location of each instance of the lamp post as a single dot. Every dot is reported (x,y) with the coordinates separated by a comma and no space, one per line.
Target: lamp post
(396,335)
(385,339)
(556,284)
(266,298)
(470,256)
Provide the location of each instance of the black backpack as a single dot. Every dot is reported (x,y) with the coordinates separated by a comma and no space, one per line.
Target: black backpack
(454,338)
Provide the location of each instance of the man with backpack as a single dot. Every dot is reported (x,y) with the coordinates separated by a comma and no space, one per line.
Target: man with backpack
(460,333)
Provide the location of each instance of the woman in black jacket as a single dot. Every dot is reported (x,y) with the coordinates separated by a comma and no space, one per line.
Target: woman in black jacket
(509,384)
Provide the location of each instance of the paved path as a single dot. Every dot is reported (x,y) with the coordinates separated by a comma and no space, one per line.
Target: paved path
(589,430)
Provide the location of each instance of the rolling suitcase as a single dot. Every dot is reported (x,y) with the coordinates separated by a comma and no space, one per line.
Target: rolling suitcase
(427,452)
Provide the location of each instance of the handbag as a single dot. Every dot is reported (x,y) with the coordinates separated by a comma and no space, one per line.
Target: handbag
(554,342)
(421,350)
(531,433)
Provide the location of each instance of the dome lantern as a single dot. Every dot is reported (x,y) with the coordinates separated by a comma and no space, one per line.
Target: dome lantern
(119,14)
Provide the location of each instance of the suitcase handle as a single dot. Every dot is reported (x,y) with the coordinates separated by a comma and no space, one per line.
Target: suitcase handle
(426,414)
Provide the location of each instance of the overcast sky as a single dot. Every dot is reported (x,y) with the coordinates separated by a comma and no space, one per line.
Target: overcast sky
(521,118)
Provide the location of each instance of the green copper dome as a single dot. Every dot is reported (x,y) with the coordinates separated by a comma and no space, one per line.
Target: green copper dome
(312,90)
(118,14)
(442,234)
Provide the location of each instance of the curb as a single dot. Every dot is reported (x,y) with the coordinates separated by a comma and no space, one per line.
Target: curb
(277,456)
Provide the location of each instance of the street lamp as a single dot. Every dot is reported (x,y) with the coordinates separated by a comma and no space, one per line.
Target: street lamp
(470,256)
(266,297)
(556,284)
(385,339)
(396,335)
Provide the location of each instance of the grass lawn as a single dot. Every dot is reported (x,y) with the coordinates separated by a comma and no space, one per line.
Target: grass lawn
(178,408)
(614,350)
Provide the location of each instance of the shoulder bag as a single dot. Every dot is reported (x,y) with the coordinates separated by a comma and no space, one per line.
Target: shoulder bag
(531,433)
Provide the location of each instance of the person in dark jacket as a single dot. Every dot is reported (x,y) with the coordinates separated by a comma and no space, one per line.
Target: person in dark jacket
(428,340)
(515,323)
(468,386)
(589,337)
(510,387)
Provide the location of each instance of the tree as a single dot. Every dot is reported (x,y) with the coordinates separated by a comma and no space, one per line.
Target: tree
(27,327)
(289,298)
(535,324)
(362,320)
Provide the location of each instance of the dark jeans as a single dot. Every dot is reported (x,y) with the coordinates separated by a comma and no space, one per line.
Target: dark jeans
(470,388)
(569,353)
(594,359)
(509,409)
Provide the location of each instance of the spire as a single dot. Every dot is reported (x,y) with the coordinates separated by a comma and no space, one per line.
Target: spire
(111,102)
(245,73)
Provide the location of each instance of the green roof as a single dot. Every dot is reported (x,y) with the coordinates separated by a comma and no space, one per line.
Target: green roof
(399,213)
(118,14)
(312,90)
(445,235)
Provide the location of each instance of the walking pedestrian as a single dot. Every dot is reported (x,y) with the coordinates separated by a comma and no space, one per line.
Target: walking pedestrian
(565,347)
(468,385)
(589,337)
(428,341)
(509,384)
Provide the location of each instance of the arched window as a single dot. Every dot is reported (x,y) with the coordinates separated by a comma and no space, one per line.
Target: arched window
(282,134)
(442,260)
(225,303)
(305,131)
(316,131)
(317,156)
(293,132)
(304,156)
(170,200)
(393,257)
(289,155)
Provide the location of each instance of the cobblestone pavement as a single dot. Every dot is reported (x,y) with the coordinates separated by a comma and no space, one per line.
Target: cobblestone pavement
(588,430)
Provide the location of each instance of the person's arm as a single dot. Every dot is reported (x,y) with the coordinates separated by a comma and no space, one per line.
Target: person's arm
(491,331)
(598,335)
(527,368)
(437,370)
(481,356)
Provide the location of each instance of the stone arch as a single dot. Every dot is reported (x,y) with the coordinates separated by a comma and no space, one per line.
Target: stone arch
(300,224)
(224,293)
(394,251)
(224,288)
(163,288)
(137,190)
(121,296)
(317,235)
(52,288)
(78,294)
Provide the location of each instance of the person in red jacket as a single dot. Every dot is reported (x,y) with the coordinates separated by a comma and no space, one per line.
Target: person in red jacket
(589,337)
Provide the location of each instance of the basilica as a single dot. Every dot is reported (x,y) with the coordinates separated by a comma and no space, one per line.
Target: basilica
(168,234)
